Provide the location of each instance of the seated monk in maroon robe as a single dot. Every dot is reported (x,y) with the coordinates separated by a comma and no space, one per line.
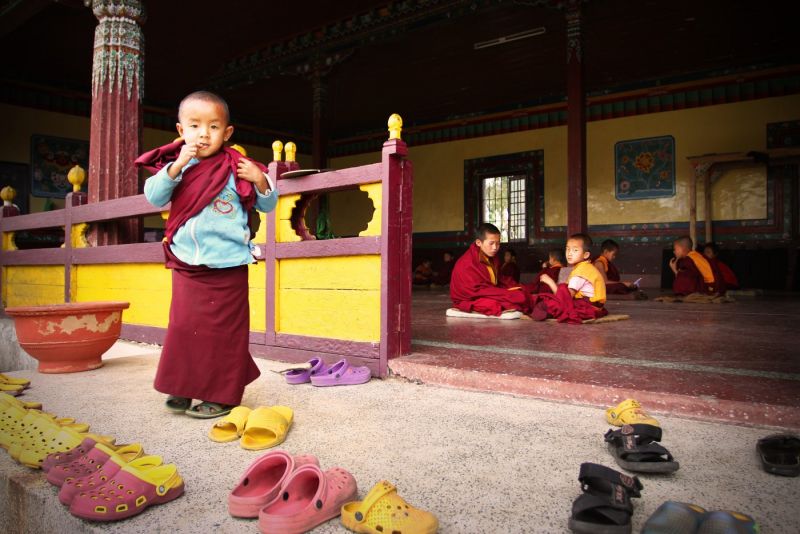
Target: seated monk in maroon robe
(605,264)
(424,274)
(711,252)
(510,269)
(555,261)
(445,272)
(693,273)
(582,297)
(476,284)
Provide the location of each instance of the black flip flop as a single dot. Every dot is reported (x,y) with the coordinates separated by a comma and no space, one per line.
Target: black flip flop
(177,404)
(780,454)
(215,410)
(634,448)
(605,506)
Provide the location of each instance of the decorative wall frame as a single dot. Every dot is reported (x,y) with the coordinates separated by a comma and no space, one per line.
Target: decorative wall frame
(51,160)
(645,168)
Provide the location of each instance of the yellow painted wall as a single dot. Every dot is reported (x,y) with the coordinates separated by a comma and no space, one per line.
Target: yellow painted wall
(335,297)
(147,286)
(439,168)
(33,286)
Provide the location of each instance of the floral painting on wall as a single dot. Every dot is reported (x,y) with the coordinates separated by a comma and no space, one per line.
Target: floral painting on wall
(645,168)
(51,160)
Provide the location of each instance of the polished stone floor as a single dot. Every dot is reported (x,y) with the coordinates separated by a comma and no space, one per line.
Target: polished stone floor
(738,361)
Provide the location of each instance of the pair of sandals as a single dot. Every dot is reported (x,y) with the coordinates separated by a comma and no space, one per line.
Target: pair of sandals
(688,518)
(202,410)
(321,374)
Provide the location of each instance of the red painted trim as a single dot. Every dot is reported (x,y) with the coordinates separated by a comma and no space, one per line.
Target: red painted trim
(292,355)
(329,181)
(348,246)
(257,338)
(143,333)
(328,345)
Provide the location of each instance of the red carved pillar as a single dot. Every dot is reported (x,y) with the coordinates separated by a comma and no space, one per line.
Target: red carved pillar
(116,124)
(576,123)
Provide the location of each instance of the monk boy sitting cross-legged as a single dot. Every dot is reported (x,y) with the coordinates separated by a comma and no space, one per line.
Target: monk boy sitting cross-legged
(693,273)
(477,285)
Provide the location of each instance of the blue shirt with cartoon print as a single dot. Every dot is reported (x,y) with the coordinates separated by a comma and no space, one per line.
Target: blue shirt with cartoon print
(218,236)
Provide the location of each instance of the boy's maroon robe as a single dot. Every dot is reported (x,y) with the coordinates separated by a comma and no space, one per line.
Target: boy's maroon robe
(206,351)
(537,286)
(689,280)
(564,307)
(444,274)
(474,289)
(724,273)
(510,272)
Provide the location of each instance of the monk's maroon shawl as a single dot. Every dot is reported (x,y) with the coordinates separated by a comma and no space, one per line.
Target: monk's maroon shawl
(472,288)
(200,184)
(565,308)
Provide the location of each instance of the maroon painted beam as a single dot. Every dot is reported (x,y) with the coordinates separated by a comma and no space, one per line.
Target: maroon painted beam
(348,246)
(40,256)
(576,123)
(132,206)
(131,253)
(333,180)
(33,221)
(328,345)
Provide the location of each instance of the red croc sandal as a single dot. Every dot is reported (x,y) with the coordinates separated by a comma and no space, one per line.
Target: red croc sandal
(263,480)
(129,493)
(309,498)
(102,473)
(93,461)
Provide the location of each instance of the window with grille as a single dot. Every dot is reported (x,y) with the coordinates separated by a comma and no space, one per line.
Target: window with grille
(504,205)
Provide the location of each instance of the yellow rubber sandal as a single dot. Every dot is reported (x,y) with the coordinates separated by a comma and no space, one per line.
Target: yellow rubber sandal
(61,441)
(5,379)
(9,400)
(629,412)
(11,389)
(48,439)
(266,427)
(230,428)
(383,511)
(19,423)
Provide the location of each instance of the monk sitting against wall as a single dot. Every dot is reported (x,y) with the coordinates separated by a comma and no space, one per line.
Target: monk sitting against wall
(555,261)
(476,284)
(605,265)
(711,252)
(510,269)
(693,273)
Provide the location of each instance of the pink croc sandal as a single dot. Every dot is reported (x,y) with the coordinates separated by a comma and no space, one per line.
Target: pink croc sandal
(302,376)
(95,469)
(309,498)
(263,480)
(93,461)
(342,374)
(61,458)
(129,493)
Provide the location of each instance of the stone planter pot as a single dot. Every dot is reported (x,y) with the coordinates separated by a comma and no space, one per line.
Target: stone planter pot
(67,338)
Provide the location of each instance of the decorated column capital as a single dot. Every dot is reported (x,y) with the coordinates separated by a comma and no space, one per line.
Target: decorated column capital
(574,38)
(118,64)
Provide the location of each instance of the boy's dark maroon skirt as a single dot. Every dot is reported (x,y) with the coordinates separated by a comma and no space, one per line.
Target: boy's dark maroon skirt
(206,352)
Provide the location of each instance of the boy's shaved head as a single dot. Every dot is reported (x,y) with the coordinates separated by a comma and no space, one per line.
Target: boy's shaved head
(206,96)
(587,241)
(609,245)
(557,254)
(486,229)
(684,241)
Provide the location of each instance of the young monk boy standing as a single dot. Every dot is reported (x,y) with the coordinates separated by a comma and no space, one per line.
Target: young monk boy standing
(206,351)
(693,273)
(583,296)
(476,284)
